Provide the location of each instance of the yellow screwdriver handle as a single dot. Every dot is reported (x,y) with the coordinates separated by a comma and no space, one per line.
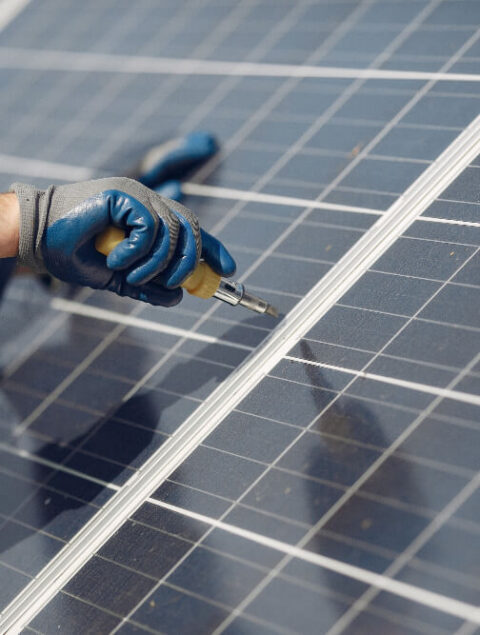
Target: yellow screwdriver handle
(203,282)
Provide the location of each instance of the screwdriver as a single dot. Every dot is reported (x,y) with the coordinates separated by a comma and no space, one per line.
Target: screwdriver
(203,282)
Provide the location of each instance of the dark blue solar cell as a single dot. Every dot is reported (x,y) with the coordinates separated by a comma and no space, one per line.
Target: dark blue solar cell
(254,233)
(178,612)
(328,459)
(289,605)
(433,230)
(343,548)
(293,496)
(131,629)
(98,392)
(424,486)
(322,169)
(217,472)
(287,137)
(248,625)
(15,405)
(455,410)
(11,583)
(424,42)
(123,443)
(455,305)
(358,198)
(73,616)
(377,524)
(464,558)
(125,591)
(311,375)
(128,362)
(324,580)
(192,377)
(390,394)
(25,548)
(286,402)
(383,175)
(40,374)
(307,104)
(14,492)
(252,437)
(441,441)
(171,522)
(322,243)
(155,409)
(64,423)
(464,187)
(448,14)
(191,499)
(347,137)
(368,622)
(55,513)
(356,328)
(442,110)
(389,293)
(266,524)
(470,509)
(296,277)
(246,550)
(329,354)
(449,209)
(216,577)
(144,549)
(470,273)
(372,107)
(413,610)
(435,343)
(365,421)
(411,371)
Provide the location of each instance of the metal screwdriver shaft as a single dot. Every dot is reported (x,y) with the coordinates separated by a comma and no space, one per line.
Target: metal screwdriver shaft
(235,293)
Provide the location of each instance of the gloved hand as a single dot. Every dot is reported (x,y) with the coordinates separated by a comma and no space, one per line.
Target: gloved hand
(58,228)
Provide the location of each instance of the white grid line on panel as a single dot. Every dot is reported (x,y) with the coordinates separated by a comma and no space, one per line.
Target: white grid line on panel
(192,432)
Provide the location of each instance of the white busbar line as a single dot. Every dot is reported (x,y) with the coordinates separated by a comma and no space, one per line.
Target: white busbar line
(231,194)
(230,393)
(70,61)
(77,308)
(43,169)
(10,164)
(214,191)
(411,592)
(394,381)
(242,380)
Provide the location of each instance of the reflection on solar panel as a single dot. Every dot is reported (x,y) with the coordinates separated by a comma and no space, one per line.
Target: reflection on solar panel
(330,484)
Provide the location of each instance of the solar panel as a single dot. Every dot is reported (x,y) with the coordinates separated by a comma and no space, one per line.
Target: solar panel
(340,494)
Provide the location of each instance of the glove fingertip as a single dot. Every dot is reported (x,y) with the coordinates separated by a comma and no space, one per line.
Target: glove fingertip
(217,255)
(227,263)
(118,258)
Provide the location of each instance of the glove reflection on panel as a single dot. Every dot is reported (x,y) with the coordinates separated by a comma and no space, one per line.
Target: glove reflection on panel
(59,226)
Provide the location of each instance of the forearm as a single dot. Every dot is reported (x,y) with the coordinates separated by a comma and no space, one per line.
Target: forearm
(9,225)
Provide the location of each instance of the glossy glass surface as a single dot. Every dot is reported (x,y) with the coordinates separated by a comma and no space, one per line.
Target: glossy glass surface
(355,468)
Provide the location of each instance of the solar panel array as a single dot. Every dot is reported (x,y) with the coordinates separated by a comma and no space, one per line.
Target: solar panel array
(361,444)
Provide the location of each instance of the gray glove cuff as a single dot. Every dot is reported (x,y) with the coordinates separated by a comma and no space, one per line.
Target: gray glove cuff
(32,223)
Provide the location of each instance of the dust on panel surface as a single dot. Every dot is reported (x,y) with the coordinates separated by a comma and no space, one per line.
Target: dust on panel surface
(351,142)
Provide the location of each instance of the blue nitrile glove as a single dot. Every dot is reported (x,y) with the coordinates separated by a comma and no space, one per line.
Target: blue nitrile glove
(58,228)
(176,158)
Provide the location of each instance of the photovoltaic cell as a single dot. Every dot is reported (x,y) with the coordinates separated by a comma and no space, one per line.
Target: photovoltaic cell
(291,462)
